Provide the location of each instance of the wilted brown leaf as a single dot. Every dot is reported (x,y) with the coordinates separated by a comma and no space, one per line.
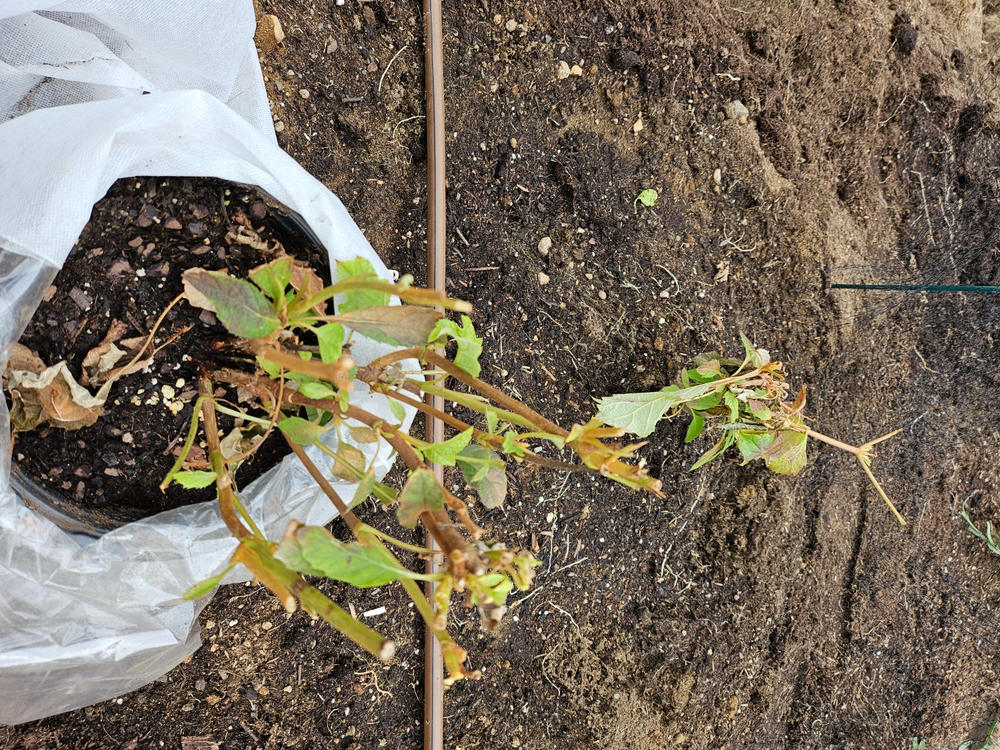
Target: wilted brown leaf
(306,281)
(41,394)
(104,356)
(403,325)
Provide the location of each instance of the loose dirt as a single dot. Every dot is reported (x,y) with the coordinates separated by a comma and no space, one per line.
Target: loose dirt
(745,610)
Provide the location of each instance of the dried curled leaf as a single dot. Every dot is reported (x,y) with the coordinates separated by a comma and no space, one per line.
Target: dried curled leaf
(102,358)
(41,394)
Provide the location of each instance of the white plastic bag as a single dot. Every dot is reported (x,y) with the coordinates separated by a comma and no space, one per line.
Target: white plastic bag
(82,621)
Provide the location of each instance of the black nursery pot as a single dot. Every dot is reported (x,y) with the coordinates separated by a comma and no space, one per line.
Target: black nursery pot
(127,266)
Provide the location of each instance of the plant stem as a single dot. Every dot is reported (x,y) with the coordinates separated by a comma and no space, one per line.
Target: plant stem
(474,402)
(482,436)
(332,372)
(224,482)
(411,587)
(494,394)
(879,490)
(346,513)
(438,522)
(186,448)
(371,641)
(397,542)
(497,396)
(833,441)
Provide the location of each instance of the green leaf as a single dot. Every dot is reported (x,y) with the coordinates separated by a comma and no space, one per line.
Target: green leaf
(638,413)
(753,444)
(470,346)
(695,428)
(313,550)
(365,488)
(444,453)
(492,418)
(706,372)
(787,454)
(493,586)
(420,493)
(734,406)
(759,410)
(239,305)
(301,431)
(400,325)
(510,445)
(316,390)
(359,299)
(273,277)
(273,370)
(715,451)
(203,587)
(485,474)
(397,409)
(331,341)
(195,480)
(706,402)
(648,197)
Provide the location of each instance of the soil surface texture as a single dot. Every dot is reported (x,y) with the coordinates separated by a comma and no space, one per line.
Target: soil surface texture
(792,146)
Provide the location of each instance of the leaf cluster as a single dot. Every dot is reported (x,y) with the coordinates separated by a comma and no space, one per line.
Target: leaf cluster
(743,401)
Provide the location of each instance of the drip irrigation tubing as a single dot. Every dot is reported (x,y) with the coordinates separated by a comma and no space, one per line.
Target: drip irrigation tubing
(436,270)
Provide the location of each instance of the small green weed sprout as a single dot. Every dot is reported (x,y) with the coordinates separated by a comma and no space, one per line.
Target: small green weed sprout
(989,536)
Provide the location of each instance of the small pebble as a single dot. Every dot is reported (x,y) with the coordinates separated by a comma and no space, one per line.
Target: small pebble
(543,278)
(544,245)
(602,294)
(304,93)
(200,685)
(576,70)
(172,223)
(563,70)
(511,25)
(279,126)
(127,438)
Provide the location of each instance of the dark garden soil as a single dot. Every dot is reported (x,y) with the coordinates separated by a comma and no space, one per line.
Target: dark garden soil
(123,272)
(745,610)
